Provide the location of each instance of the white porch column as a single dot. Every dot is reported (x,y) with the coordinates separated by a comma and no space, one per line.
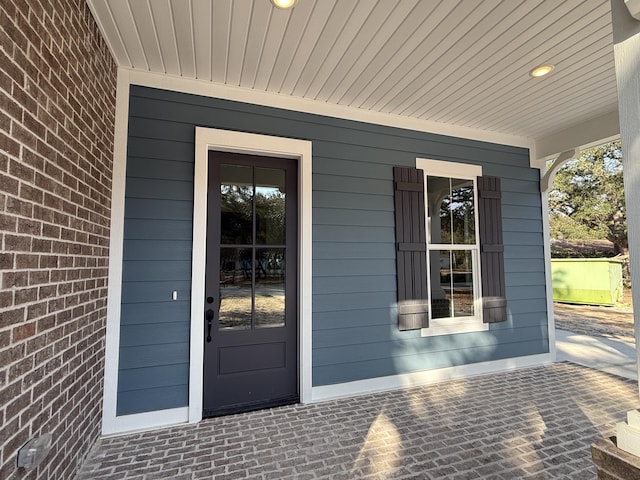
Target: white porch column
(626,39)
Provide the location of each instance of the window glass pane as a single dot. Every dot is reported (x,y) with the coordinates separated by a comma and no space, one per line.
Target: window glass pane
(270,211)
(235,289)
(461,208)
(236,205)
(451,278)
(440,266)
(270,287)
(451,210)
(461,295)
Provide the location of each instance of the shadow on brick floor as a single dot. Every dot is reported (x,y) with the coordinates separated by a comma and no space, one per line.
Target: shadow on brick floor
(535,423)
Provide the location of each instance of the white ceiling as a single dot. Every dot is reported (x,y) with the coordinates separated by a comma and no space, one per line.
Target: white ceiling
(460,62)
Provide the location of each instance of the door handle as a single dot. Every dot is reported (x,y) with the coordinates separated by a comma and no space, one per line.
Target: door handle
(209,316)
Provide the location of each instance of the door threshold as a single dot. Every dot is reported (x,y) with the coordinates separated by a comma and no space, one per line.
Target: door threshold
(249,407)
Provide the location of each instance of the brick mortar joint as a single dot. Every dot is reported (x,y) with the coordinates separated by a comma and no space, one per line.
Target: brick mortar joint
(51,178)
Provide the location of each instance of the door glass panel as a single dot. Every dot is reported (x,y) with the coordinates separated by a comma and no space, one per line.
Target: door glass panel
(235,289)
(270,287)
(236,205)
(451,283)
(270,211)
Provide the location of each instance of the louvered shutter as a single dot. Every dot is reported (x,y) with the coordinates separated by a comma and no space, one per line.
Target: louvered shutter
(494,302)
(411,260)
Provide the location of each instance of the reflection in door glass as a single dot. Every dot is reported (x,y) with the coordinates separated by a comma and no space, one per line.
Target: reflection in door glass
(236,205)
(270,211)
(235,289)
(270,287)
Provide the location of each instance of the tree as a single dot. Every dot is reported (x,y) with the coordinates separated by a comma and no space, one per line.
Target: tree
(587,200)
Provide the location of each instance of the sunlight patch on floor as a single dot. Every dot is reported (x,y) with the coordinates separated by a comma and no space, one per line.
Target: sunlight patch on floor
(381,449)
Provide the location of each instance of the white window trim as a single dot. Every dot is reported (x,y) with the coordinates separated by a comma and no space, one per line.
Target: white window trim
(462,324)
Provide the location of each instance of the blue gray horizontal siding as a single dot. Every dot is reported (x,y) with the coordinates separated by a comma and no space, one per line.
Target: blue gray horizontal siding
(354,284)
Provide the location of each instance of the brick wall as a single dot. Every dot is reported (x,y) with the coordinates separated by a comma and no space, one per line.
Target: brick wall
(57,95)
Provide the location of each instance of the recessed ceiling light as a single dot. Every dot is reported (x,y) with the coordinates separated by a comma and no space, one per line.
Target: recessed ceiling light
(541,71)
(283,3)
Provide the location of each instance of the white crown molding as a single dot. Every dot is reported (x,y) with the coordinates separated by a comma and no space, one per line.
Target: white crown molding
(286,102)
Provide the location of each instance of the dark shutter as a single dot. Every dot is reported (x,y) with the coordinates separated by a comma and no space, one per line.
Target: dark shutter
(411,260)
(494,302)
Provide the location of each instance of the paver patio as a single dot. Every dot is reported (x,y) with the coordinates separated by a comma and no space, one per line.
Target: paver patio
(532,423)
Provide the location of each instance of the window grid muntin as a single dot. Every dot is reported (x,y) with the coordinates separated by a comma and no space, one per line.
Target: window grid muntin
(474,248)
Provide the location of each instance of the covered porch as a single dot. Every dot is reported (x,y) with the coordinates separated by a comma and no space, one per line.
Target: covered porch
(111,105)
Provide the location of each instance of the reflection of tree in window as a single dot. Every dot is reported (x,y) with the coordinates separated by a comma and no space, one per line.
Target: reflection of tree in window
(270,217)
(252,273)
(236,214)
(456,213)
(451,270)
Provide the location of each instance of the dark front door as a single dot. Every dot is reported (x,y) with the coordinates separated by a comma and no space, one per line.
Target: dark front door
(251,342)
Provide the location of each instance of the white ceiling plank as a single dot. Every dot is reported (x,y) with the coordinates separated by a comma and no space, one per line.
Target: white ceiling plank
(289,64)
(516,80)
(278,21)
(544,107)
(129,33)
(369,45)
(582,134)
(438,43)
(466,58)
(182,14)
(336,38)
(163,19)
(339,63)
(557,98)
(141,11)
(599,106)
(578,67)
(557,103)
(539,106)
(221,26)
(461,63)
(202,11)
(258,29)
(568,112)
(256,42)
(297,21)
(240,21)
(402,44)
(519,51)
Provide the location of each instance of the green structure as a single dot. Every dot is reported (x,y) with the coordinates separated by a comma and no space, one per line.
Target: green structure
(592,281)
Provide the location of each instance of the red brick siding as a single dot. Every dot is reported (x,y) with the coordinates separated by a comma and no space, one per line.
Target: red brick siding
(57,110)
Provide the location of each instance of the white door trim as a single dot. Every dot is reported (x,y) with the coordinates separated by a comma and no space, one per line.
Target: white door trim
(110,423)
(238,142)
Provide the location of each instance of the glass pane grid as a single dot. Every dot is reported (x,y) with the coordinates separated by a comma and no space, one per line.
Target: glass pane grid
(236,292)
(451,206)
(252,249)
(270,288)
(451,283)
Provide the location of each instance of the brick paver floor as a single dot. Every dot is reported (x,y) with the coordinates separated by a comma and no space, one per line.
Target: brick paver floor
(535,423)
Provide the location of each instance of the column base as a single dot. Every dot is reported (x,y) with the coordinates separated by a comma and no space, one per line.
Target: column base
(614,463)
